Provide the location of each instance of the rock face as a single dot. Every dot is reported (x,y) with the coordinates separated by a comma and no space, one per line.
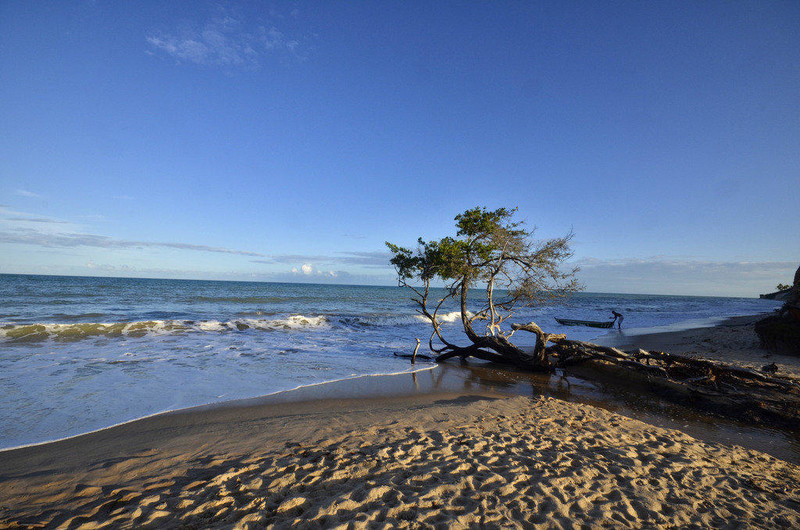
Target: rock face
(780,296)
(781,333)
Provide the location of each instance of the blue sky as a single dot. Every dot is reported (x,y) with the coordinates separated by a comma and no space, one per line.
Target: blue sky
(287,141)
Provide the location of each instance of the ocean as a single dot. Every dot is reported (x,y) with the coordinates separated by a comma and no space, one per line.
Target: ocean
(79,354)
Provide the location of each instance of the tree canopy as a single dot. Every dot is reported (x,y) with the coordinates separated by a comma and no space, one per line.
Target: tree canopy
(499,254)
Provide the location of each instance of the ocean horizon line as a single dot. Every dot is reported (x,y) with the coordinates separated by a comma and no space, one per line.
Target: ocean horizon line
(331,284)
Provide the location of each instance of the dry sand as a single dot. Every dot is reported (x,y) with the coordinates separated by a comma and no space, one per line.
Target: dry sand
(440,460)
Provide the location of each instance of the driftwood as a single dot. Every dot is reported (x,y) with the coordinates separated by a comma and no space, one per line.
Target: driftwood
(414,355)
(733,390)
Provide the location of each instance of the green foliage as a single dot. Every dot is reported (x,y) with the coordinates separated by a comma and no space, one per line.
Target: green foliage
(783,287)
(432,259)
(490,245)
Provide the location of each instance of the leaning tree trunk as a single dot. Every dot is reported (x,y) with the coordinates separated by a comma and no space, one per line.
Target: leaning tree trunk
(499,345)
(497,348)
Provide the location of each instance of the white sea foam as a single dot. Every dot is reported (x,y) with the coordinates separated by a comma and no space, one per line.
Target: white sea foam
(452,316)
(77,331)
(292,322)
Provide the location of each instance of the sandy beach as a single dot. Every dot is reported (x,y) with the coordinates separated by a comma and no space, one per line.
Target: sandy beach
(432,458)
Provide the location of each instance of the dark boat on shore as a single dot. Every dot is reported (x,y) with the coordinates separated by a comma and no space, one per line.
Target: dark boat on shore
(590,323)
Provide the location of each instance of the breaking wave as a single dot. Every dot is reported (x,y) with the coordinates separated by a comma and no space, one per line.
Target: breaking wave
(78,331)
(452,316)
(68,330)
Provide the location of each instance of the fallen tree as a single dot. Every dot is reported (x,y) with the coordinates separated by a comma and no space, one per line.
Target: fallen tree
(498,254)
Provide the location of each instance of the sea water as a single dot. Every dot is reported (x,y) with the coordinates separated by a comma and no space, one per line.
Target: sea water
(79,354)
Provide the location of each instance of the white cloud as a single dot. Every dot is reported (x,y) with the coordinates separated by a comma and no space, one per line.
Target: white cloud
(224,40)
(308,269)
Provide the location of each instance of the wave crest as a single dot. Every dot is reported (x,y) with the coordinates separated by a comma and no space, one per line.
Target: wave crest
(452,316)
(83,330)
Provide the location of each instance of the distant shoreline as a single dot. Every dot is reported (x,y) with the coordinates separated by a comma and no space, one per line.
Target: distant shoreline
(392,285)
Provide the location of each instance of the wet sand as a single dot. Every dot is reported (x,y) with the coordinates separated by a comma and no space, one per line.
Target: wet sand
(399,451)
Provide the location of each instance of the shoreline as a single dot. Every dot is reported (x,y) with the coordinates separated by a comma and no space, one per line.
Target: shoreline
(376,386)
(633,338)
(292,394)
(400,450)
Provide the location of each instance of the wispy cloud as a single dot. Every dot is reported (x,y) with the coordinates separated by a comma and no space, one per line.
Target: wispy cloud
(29,194)
(36,220)
(12,217)
(292,258)
(71,240)
(368,259)
(273,39)
(223,40)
